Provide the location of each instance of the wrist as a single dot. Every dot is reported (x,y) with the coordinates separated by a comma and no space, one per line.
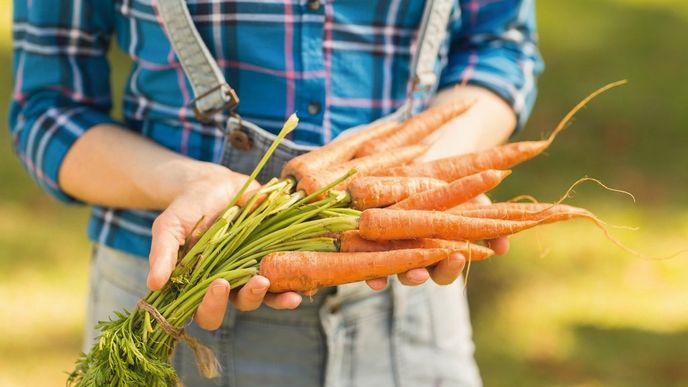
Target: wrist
(488,123)
(500,111)
(182,177)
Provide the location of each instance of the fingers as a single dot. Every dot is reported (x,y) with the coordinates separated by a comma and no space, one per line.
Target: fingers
(482,199)
(414,277)
(448,270)
(287,300)
(166,239)
(255,293)
(377,284)
(500,245)
(212,309)
(251,295)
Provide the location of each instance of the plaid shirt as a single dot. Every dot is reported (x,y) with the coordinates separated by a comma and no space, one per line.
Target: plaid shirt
(339,63)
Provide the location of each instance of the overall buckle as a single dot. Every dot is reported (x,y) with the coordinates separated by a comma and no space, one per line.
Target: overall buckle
(230,102)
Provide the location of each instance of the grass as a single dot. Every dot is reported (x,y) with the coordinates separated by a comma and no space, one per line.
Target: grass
(565,307)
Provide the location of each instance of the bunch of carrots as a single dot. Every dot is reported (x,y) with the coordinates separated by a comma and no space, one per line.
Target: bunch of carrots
(358,208)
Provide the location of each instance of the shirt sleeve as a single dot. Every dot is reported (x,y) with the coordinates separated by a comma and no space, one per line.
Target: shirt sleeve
(61,81)
(493,43)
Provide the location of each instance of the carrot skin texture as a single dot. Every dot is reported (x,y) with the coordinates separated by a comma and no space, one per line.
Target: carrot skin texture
(313,181)
(386,224)
(542,212)
(376,192)
(455,193)
(304,271)
(338,151)
(353,242)
(416,128)
(456,167)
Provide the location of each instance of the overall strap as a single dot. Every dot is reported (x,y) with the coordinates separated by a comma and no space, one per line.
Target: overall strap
(433,30)
(211,91)
(213,94)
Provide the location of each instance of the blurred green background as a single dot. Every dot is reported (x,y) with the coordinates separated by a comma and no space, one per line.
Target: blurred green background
(565,308)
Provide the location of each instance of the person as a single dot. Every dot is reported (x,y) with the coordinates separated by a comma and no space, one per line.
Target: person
(151,175)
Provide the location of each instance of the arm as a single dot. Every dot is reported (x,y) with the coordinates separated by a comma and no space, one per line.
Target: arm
(63,133)
(493,55)
(493,60)
(488,123)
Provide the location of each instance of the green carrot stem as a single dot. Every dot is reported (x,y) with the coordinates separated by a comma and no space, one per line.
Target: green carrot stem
(328,187)
(289,125)
(268,189)
(313,244)
(202,242)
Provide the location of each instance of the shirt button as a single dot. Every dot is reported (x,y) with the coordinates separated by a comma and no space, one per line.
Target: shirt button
(314,108)
(314,5)
(240,140)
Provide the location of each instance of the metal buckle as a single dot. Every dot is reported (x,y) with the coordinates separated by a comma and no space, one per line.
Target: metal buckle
(231,102)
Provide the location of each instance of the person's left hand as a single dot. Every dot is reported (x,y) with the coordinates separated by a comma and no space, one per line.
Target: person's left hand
(444,272)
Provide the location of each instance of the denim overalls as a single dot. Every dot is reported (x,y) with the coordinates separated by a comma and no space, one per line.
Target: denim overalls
(348,336)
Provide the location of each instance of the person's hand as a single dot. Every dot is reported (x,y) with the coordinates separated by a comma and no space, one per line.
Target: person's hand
(446,271)
(207,196)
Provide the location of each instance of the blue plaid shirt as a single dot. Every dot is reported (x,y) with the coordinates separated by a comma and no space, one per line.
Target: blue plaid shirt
(339,63)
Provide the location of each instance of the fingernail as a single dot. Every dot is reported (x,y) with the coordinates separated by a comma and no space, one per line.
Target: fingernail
(219,290)
(258,291)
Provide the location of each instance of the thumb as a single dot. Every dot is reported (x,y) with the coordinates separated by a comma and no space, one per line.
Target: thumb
(167,236)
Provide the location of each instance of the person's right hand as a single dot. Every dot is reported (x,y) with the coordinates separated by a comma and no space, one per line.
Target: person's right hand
(207,196)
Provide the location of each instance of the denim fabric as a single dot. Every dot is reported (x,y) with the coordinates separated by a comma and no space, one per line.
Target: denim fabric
(401,337)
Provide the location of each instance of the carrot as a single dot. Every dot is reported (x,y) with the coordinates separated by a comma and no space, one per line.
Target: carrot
(457,192)
(340,150)
(243,199)
(352,242)
(501,157)
(316,179)
(386,224)
(416,128)
(305,271)
(545,212)
(376,192)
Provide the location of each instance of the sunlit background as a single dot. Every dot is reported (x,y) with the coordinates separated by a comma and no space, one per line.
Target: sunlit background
(566,307)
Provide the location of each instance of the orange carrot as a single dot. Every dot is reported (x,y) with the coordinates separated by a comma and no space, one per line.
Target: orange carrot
(316,179)
(352,242)
(376,192)
(544,212)
(416,128)
(457,192)
(243,199)
(501,157)
(456,167)
(305,271)
(340,150)
(386,224)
